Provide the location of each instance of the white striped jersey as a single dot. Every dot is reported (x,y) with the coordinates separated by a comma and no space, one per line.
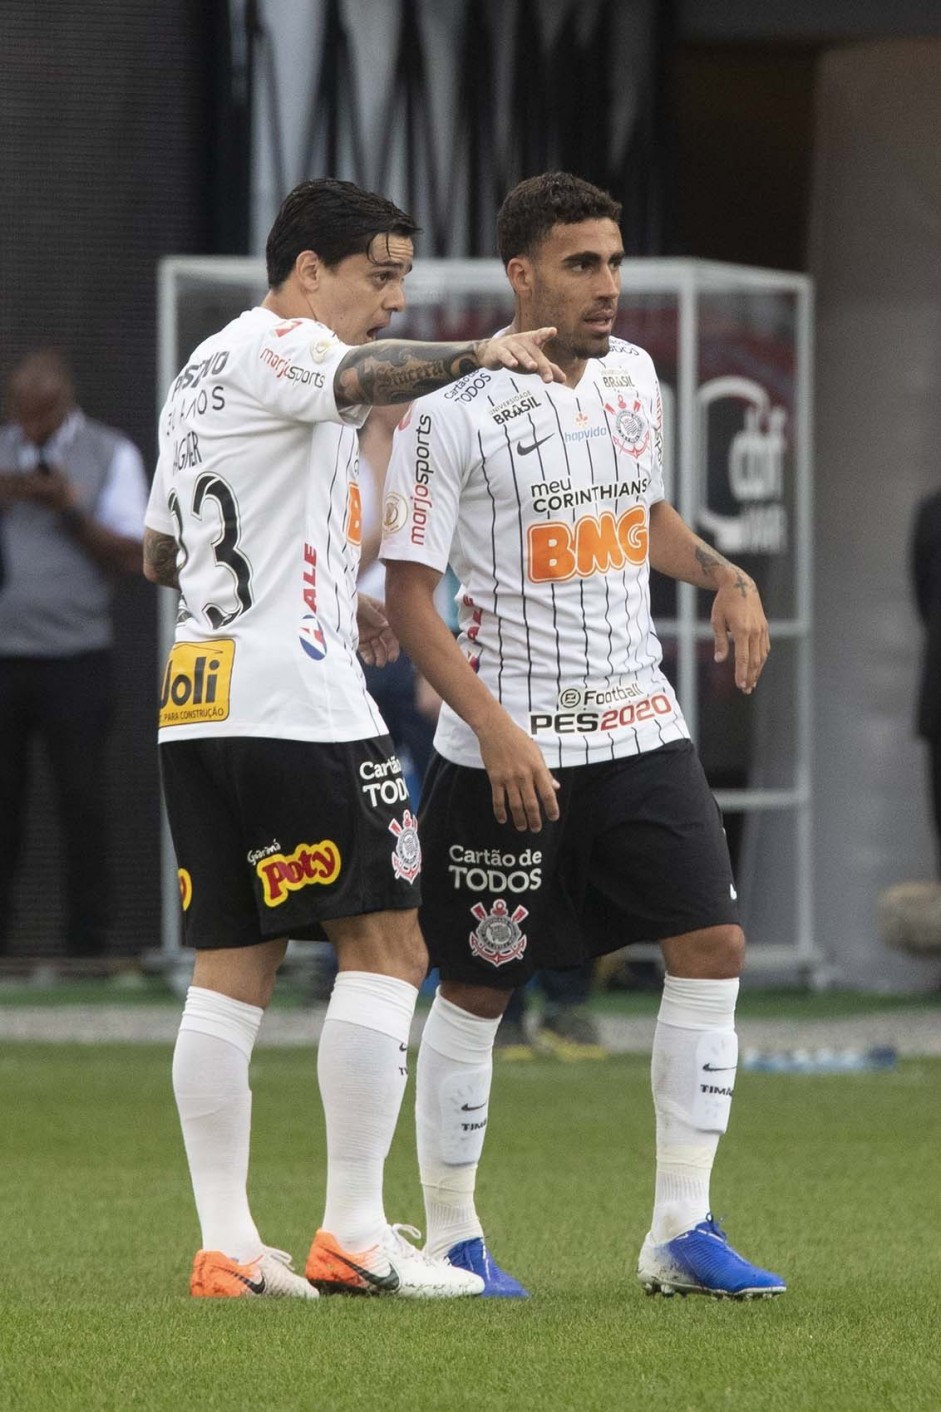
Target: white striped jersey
(258,481)
(539,497)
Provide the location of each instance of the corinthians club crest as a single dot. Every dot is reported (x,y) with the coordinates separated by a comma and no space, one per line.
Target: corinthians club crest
(406,860)
(498,938)
(631,432)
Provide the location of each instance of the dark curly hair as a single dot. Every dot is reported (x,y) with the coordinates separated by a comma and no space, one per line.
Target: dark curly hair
(334,219)
(536,205)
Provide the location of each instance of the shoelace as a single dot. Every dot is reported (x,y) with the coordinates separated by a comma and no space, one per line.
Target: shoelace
(399,1231)
(281,1256)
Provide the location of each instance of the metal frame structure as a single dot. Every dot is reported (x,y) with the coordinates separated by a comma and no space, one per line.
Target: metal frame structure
(433,282)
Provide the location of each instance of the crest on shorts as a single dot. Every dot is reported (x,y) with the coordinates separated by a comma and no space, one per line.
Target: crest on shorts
(406,860)
(497,937)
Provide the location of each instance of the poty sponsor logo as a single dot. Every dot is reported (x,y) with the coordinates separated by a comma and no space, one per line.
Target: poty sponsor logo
(310,864)
(283,368)
(255,854)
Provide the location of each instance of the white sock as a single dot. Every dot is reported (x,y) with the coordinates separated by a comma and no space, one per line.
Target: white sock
(695,1054)
(362,1066)
(452,1096)
(210,1083)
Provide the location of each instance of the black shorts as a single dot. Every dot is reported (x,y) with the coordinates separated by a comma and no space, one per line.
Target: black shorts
(273,837)
(638,853)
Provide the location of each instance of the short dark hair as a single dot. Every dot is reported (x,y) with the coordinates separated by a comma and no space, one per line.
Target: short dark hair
(334,219)
(536,205)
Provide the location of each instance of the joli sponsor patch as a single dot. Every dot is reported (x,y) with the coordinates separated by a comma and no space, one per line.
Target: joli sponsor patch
(197,682)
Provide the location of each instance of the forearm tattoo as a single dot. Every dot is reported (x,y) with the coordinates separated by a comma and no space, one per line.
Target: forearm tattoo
(160,552)
(709,561)
(378,374)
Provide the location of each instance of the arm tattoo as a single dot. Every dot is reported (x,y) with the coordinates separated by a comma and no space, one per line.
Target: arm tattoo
(160,551)
(395,371)
(708,560)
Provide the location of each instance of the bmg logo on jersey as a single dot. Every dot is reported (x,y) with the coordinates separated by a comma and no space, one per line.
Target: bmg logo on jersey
(595,544)
(196,682)
(310,864)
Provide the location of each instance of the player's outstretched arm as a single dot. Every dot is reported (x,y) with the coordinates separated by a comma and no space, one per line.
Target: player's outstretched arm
(520,782)
(394,370)
(737,612)
(160,558)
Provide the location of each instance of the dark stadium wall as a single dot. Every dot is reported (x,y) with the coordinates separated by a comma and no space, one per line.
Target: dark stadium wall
(107,111)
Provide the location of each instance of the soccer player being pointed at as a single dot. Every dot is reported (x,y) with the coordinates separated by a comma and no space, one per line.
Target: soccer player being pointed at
(289,813)
(565,812)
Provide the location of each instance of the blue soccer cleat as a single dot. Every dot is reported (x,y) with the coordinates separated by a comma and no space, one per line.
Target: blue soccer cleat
(701,1261)
(473,1255)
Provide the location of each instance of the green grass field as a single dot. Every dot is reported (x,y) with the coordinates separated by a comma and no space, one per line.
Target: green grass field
(831,1180)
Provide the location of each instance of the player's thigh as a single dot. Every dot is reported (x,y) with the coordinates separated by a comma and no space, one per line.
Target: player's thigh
(216,893)
(661,867)
(326,833)
(484,884)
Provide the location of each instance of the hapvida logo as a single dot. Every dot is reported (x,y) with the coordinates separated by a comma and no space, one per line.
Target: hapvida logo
(309,864)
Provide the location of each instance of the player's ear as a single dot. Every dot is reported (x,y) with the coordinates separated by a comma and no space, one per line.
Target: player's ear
(519,272)
(307,267)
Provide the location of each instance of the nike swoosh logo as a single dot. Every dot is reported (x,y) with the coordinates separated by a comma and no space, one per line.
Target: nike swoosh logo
(524,448)
(386,1283)
(472,1107)
(718,1068)
(403,1048)
(258,1286)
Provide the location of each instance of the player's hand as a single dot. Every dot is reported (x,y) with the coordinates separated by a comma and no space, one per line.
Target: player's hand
(378,644)
(522,352)
(737,614)
(519,777)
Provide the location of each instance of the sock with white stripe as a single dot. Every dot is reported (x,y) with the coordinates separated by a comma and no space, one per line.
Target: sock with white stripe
(693,1066)
(210,1084)
(452,1096)
(362,1067)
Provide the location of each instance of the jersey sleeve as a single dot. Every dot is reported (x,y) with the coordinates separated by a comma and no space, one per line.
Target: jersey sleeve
(423,484)
(657,491)
(292,370)
(157,516)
